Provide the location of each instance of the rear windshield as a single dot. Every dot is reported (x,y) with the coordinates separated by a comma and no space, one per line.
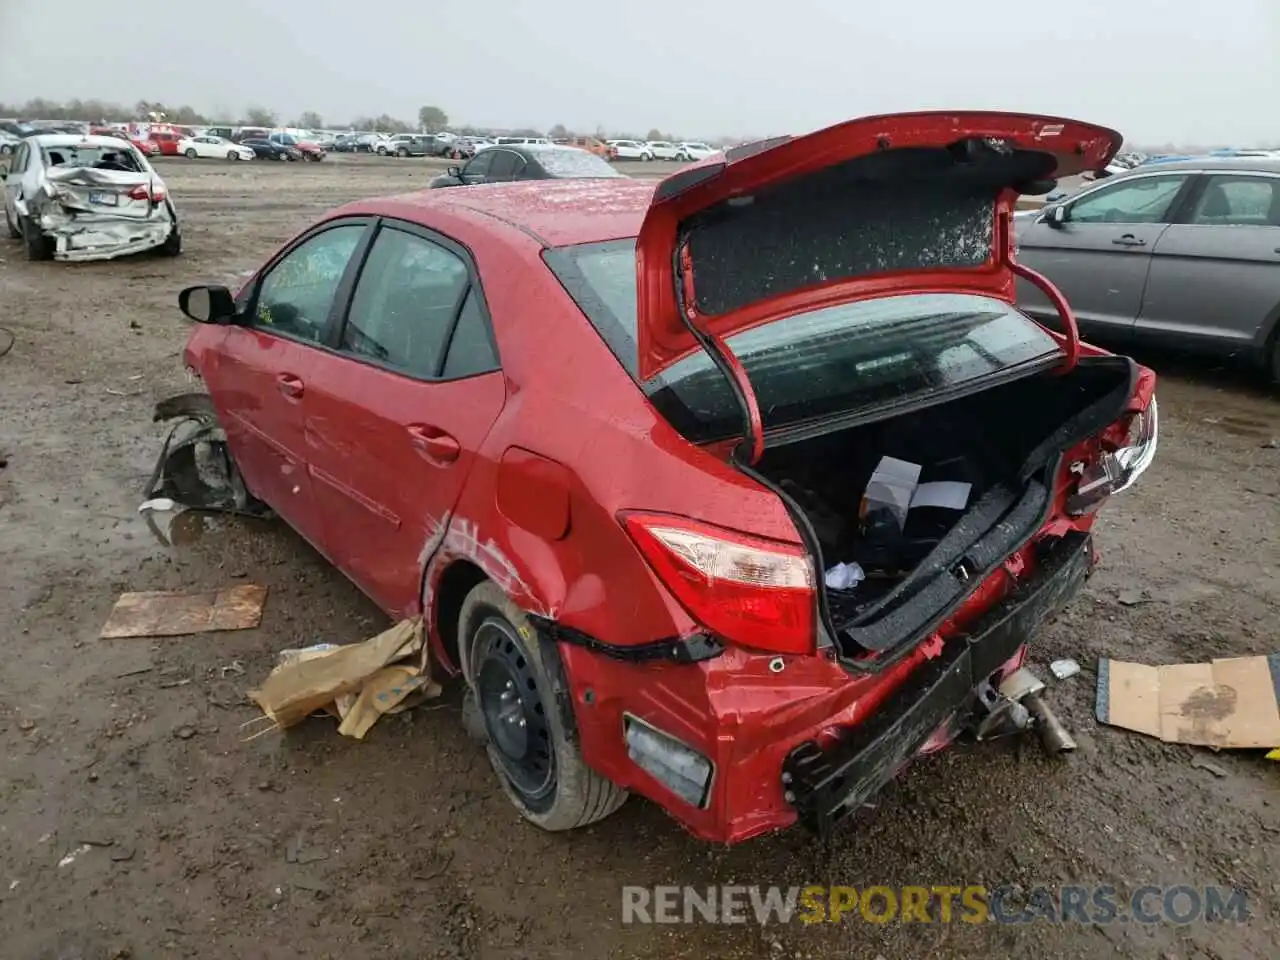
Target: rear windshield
(115,157)
(865,354)
(574,163)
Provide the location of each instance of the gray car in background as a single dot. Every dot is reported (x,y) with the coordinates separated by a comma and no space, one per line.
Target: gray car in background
(1184,254)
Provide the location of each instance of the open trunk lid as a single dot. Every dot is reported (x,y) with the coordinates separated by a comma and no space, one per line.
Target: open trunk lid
(889,204)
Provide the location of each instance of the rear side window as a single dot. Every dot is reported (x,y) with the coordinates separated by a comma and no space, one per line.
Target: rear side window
(404,303)
(1239,202)
(812,364)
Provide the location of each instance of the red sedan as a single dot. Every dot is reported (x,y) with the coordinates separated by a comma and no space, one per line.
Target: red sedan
(147,148)
(737,491)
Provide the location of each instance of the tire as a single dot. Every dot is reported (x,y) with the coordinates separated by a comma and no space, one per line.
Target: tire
(233,155)
(646,157)
(1273,357)
(382,151)
(172,245)
(14,232)
(5,149)
(517,680)
(402,153)
(191,154)
(39,247)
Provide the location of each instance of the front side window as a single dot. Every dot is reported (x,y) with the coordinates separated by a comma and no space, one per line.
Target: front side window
(479,167)
(405,300)
(1239,202)
(297,294)
(1143,200)
(863,354)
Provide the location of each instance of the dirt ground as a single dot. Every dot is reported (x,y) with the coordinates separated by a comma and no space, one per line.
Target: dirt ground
(311,845)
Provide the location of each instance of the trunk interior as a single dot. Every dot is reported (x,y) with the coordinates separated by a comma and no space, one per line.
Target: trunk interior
(1002,442)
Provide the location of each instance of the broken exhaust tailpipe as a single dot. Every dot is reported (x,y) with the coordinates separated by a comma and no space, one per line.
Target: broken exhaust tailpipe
(194,470)
(1018,706)
(1053,735)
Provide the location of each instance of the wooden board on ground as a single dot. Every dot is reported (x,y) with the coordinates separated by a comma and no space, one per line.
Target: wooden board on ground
(1229,702)
(163,613)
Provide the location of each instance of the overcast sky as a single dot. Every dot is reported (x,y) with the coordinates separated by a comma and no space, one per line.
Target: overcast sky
(1177,70)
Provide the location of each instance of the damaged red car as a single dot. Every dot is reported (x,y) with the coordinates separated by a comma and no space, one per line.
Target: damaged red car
(737,490)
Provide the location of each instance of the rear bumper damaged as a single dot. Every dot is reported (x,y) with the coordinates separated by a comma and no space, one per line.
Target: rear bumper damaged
(781,740)
(827,783)
(94,236)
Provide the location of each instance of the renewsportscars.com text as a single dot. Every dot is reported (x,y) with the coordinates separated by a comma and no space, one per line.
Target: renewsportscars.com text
(1180,904)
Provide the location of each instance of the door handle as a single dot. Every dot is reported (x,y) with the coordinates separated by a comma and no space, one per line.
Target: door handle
(434,443)
(1129,240)
(289,385)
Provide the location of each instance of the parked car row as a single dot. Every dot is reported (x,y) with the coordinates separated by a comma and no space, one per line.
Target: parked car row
(660,150)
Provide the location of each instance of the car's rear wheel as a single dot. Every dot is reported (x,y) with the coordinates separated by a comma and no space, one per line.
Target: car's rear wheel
(382,151)
(402,153)
(233,154)
(172,245)
(191,154)
(39,247)
(524,704)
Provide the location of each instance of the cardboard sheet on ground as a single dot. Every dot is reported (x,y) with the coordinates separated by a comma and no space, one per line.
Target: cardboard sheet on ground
(1224,703)
(164,613)
(357,682)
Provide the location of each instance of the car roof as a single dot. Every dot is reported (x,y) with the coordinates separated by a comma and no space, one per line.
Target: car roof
(555,212)
(73,140)
(1224,164)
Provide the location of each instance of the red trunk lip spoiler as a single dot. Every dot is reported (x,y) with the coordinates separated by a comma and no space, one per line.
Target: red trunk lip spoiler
(666,333)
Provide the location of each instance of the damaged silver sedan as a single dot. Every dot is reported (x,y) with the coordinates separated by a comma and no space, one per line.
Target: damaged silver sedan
(69,197)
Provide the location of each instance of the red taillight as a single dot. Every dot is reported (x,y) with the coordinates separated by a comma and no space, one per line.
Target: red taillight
(751,592)
(150,192)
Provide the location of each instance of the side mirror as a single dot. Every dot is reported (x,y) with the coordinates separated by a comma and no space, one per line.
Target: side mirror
(207,304)
(1055,216)
(455,172)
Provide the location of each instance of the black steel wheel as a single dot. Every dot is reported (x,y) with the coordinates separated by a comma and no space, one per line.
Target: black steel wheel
(525,708)
(514,716)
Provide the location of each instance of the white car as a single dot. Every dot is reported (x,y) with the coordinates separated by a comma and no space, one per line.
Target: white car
(214,148)
(69,197)
(379,143)
(661,150)
(630,149)
(693,150)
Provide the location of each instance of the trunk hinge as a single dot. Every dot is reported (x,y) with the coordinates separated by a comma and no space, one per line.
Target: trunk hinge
(1070,340)
(752,447)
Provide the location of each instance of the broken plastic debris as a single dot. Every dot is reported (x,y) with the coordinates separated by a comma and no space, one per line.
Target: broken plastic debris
(1064,669)
(844,576)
